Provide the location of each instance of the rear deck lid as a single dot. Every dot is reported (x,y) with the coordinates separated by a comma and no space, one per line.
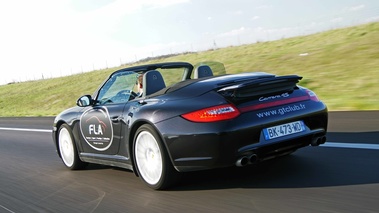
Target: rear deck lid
(265,85)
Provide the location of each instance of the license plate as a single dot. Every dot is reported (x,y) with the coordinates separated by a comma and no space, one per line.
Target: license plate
(283,130)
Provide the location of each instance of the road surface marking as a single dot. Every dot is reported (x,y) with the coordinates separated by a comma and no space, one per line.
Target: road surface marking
(327,144)
(351,145)
(6,209)
(26,130)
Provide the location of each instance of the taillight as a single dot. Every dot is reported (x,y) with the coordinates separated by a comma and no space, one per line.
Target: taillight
(312,95)
(212,114)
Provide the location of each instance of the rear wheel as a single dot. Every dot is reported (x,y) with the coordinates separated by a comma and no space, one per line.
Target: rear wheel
(151,159)
(67,149)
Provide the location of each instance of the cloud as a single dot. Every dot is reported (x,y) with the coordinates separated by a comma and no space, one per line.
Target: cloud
(255,18)
(336,20)
(162,3)
(131,6)
(357,7)
(55,36)
(237,12)
(123,7)
(372,19)
(262,7)
(234,32)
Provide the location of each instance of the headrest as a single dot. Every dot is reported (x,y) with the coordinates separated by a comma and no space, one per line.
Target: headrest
(203,71)
(152,82)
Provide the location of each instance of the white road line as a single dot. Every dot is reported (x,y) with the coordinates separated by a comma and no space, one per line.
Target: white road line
(6,209)
(27,130)
(327,144)
(351,145)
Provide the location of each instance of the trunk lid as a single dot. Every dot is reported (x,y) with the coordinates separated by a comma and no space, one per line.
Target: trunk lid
(264,92)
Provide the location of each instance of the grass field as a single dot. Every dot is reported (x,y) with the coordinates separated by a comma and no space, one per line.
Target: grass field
(341,66)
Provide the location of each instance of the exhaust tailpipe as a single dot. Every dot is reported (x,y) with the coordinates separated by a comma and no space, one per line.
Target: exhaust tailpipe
(314,142)
(318,140)
(253,158)
(243,161)
(322,140)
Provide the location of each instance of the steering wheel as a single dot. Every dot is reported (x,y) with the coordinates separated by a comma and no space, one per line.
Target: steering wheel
(123,93)
(133,95)
(126,94)
(121,96)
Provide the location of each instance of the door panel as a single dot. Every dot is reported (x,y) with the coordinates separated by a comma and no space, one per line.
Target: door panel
(101,124)
(100,129)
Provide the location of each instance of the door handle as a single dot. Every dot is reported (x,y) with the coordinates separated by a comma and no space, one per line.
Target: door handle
(116,119)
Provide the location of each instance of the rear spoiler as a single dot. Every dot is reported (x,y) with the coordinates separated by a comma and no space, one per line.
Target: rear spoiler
(262,86)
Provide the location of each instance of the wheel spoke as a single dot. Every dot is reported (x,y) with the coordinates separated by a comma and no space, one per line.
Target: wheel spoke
(148,158)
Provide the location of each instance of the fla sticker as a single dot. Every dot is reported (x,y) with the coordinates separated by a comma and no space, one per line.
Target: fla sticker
(96,128)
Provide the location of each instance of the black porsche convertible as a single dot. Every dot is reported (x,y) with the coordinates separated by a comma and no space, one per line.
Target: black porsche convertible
(160,120)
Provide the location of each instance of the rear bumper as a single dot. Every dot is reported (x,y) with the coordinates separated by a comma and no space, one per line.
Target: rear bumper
(250,154)
(202,146)
(192,152)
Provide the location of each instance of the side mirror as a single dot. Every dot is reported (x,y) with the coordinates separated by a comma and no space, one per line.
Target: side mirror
(85,100)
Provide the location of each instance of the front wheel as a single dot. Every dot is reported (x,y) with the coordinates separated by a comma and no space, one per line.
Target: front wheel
(151,160)
(67,149)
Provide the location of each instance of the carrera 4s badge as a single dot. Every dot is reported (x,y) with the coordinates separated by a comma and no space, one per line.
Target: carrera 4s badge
(283,95)
(96,128)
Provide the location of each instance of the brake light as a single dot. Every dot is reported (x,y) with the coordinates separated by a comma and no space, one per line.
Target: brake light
(312,95)
(213,114)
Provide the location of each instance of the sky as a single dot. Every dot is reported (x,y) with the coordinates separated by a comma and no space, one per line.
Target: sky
(42,39)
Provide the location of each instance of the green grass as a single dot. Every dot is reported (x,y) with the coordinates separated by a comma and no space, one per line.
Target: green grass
(342,67)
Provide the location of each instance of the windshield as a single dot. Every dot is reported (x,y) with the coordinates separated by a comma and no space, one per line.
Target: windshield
(172,75)
(123,84)
(118,88)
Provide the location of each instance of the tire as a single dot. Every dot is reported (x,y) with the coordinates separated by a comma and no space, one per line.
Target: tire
(151,160)
(67,149)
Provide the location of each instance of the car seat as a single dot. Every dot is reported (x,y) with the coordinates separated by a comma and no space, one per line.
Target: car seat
(203,71)
(152,82)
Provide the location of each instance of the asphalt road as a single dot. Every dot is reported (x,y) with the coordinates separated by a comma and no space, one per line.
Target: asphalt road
(330,178)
